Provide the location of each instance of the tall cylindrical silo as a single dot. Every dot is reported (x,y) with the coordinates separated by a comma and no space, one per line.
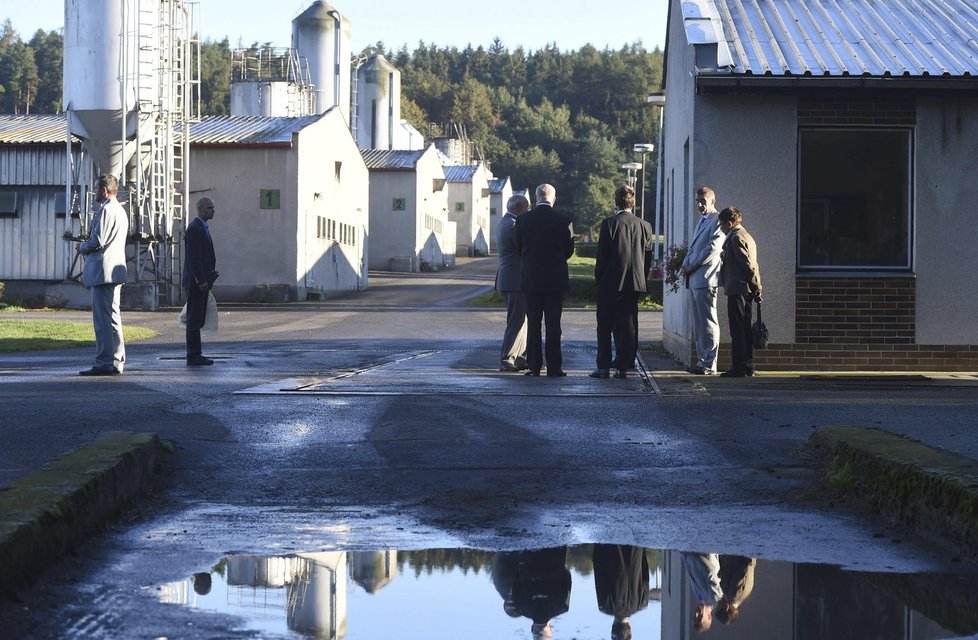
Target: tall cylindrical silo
(321,35)
(104,76)
(378,104)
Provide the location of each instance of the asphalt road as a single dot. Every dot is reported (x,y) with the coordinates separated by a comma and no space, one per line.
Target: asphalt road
(378,420)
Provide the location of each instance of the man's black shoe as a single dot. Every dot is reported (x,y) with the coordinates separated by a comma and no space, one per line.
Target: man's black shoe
(100,371)
(199,361)
(734,373)
(556,374)
(532,373)
(751,373)
(600,373)
(621,373)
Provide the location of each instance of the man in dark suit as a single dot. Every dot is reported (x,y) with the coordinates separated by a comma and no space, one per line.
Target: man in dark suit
(512,355)
(620,273)
(621,584)
(545,241)
(740,278)
(198,278)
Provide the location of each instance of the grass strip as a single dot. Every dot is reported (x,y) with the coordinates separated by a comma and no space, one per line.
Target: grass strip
(43,335)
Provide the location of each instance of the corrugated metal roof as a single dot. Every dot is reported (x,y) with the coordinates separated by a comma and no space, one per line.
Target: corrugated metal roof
(248,129)
(391,159)
(45,129)
(912,38)
(496,184)
(460,172)
(33,129)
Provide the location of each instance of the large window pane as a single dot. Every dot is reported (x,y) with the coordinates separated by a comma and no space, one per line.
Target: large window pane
(854,198)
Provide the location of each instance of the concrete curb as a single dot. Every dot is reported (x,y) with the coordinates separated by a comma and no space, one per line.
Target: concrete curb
(52,509)
(930,490)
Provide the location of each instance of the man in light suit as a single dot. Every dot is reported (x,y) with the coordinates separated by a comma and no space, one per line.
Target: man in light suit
(701,268)
(620,272)
(198,278)
(545,239)
(741,280)
(105,273)
(513,352)
(704,576)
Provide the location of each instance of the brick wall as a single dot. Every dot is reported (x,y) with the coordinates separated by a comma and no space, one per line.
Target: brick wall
(858,324)
(855,310)
(846,111)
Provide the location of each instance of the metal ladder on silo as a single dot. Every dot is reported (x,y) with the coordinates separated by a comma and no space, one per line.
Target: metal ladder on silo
(185,109)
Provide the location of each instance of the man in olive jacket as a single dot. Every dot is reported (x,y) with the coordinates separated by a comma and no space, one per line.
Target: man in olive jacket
(740,278)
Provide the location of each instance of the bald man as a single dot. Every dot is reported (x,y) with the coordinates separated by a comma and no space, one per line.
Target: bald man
(198,278)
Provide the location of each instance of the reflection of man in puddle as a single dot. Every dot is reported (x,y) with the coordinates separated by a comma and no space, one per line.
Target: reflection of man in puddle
(202,583)
(704,575)
(737,583)
(535,585)
(621,584)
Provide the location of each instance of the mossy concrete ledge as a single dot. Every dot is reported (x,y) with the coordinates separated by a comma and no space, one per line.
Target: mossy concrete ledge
(47,512)
(932,491)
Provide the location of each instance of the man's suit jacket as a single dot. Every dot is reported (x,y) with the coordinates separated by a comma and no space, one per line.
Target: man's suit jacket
(199,259)
(740,273)
(704,252)
(508,273)
(545,243)
(105,248)
(624,254)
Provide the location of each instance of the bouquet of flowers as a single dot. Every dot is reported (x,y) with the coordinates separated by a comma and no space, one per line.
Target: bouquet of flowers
(675,255)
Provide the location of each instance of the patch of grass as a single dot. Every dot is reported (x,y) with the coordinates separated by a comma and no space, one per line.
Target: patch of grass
(40,335)
(581,294)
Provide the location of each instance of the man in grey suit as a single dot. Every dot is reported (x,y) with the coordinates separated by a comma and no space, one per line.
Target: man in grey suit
(513,353)
(105,273)
(701,268)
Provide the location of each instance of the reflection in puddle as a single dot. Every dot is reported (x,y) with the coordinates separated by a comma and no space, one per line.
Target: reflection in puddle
(582,592)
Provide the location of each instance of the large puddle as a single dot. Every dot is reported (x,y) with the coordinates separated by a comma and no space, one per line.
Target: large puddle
(580,592)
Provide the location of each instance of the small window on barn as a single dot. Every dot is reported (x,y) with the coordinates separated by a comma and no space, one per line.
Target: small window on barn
(855,199)
(338,168)
(8,203)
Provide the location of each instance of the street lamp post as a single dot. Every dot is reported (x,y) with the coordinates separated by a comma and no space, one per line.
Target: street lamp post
(642,148)
(658,100)
(631,168)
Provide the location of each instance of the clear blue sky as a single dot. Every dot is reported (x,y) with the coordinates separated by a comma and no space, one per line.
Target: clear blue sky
(532,23)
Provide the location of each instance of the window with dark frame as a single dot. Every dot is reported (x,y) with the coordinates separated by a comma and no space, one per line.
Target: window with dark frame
(855,198)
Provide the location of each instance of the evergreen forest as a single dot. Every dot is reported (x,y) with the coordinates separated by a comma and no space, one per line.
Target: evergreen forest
(569,118)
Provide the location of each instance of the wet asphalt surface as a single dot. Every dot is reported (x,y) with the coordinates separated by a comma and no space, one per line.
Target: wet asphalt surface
(378,420)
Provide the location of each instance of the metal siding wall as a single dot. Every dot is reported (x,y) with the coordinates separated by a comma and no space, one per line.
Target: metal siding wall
(31,247)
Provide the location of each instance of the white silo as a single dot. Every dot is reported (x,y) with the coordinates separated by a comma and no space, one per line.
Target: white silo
(321,35)
(378,104)
(103,79)
(127,94)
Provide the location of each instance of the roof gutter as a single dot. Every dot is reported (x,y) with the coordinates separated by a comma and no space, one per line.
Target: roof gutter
(916,86)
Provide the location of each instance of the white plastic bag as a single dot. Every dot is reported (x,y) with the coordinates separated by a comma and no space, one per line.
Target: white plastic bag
(210,319)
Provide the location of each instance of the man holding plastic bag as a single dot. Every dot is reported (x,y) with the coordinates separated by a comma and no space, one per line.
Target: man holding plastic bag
(198,279)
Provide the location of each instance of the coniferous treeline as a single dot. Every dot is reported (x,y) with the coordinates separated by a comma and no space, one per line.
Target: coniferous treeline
(569,118)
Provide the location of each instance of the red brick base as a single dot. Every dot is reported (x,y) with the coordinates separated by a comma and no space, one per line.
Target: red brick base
(861,357)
